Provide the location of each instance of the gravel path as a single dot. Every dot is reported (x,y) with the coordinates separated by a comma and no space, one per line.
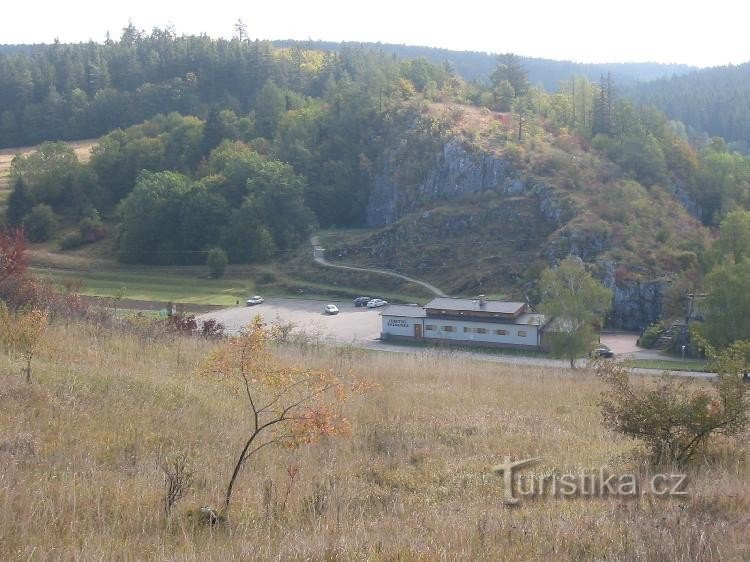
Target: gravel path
(319,257)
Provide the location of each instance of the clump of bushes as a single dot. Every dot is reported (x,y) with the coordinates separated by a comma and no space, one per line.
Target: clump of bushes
(90,230)
(216,261)
(40,223)
(650,335)
(674,418)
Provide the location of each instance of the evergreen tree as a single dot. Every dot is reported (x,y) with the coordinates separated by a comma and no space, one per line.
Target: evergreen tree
(20,203)
(269,108)
(510,68)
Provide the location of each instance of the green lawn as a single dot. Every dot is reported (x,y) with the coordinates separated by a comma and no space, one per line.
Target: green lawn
(188,285)
(696,366)
(155,285)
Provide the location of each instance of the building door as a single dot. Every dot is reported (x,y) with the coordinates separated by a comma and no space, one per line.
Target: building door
(418,331)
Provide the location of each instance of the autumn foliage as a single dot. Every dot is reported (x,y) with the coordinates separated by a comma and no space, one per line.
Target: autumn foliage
(12,254)
(23,334)
(288,405)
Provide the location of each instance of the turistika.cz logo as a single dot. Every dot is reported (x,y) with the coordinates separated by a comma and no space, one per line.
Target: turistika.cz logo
(584,483)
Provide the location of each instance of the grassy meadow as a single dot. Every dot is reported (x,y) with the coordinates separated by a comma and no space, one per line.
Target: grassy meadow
(295,275)
(80,450)
(156,285)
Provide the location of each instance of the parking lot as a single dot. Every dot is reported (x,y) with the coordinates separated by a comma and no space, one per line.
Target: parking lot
(361,327)
(350,325)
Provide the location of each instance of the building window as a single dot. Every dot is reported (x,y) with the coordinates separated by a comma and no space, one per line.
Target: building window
(467,329)
(522,333)
(449,328)
(481,330)
(501,332)
(429,327)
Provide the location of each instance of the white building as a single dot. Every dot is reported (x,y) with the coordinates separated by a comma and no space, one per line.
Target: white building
(466,322)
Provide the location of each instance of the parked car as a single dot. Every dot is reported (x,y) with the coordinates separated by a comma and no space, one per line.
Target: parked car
(376,303)
(331,309)
(603,352)
(361,301)
(257,299)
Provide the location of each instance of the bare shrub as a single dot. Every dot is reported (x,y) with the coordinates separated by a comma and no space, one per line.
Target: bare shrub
(178,477)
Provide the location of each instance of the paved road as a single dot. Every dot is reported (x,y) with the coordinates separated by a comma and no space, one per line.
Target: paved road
(361,327)
(319,257)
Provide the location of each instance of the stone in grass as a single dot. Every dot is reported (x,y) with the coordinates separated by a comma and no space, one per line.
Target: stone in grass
(207,516)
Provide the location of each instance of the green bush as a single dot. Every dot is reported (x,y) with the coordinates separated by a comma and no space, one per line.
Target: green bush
(650,335)
(40,223)
(72,241)
(674,418)
(217,261)
(91,228)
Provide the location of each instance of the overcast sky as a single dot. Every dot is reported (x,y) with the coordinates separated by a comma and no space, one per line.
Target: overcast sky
(687,31)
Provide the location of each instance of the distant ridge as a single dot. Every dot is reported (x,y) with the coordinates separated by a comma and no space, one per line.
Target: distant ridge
(474,65)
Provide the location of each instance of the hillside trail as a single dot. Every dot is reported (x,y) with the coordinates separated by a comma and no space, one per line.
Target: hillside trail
(319,257)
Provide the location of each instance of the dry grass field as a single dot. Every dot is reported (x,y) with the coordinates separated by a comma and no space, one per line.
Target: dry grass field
(80,450)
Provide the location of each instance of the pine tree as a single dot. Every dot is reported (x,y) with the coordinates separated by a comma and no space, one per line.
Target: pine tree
(20,203)
(510,68)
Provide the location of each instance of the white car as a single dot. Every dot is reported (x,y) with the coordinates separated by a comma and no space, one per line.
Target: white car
(257,299)
(331,309)
(376,303)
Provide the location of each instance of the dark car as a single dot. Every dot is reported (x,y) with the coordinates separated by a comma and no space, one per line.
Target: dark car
(361,301)
(603,352)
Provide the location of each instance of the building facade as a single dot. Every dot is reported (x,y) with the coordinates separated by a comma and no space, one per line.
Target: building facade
(477,322)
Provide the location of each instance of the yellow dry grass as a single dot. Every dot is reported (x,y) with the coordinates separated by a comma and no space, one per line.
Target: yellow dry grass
(80,477)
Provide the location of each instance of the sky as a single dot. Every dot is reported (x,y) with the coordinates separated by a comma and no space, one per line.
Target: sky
(667,31)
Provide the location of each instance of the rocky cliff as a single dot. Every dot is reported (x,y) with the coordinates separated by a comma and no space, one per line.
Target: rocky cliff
(455,172)
(473,217)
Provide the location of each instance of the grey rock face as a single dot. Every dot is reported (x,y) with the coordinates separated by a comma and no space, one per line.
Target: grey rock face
(456,173)
(635,304)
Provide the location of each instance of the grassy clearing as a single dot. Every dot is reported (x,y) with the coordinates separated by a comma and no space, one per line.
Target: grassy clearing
(155,285)
(191,285)
(296,276)
(80,451)
(668,365)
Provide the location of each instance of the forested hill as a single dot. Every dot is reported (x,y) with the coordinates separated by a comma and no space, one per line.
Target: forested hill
(714,100)
(473,65)
(26,49)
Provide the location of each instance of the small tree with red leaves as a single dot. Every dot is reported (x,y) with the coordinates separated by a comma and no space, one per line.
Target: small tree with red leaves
(12,254)
(287,405)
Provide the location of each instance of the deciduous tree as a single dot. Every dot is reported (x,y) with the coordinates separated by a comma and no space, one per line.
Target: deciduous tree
(287,405)
(728,303)
(12,254)
(576,303)
(22,334)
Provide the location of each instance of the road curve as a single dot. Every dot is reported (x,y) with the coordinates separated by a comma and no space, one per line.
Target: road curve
(319,257)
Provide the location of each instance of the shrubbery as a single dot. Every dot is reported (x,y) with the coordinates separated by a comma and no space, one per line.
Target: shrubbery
(40,223)
(216,261)
(674,418)
(650,335)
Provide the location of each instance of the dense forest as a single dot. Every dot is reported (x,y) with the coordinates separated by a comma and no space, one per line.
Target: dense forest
(243,146)
(476,66)
(714,100)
